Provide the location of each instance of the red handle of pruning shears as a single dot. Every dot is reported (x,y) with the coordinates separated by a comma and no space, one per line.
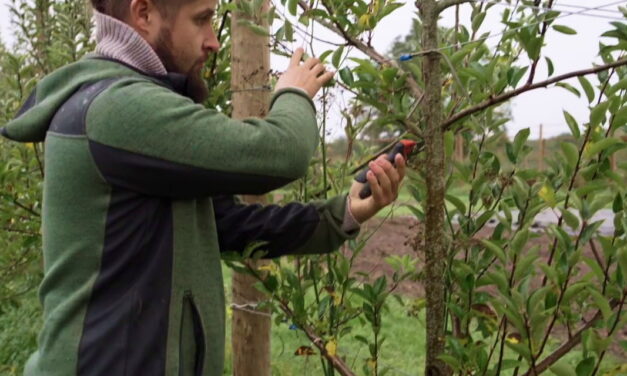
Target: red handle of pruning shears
(404,147)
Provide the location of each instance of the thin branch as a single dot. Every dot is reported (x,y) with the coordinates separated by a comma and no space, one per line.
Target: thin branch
(39,162)
(505,96)
(363,47)
(214,63)
(30,210)
(445,4)
(337,363)
(19,231)
(568,346)
(616,321)
(534,64)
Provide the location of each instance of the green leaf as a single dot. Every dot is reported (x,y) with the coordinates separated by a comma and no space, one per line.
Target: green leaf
(521,139)
(573,290)
(292,6)
(564,29)
(571,219)
(550,66)
(366,66)
(450,360)
(569,87)
(587,88)
(563,369)
(337,57)
(571,153)
(620,118)
(514,75)
(620,85)
(459,204)
(547,193)
(597,113)
(597,147)
(259,30)
(495,249)
(347,76)
(289,31)
(483,218)
(601,303)
(617,205)
(621,255)
(525,265)
(586,366)
(572,124)
(477,21)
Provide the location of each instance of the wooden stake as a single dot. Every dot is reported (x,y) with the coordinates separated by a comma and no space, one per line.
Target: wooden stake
(459,148)
(250,67)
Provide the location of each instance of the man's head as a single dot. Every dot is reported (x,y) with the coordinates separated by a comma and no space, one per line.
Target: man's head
(180,31)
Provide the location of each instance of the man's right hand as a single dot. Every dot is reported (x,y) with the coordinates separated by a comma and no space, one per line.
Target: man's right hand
(309,76)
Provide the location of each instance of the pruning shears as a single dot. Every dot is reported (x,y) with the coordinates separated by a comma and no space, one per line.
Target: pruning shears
(404,147)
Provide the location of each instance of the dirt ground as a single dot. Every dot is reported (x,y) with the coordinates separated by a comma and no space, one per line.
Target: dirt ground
(396,236)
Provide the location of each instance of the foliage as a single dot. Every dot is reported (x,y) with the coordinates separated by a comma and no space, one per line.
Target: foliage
(511,290)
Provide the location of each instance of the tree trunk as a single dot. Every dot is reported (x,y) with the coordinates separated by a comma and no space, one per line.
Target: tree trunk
(250,67)
(435,243)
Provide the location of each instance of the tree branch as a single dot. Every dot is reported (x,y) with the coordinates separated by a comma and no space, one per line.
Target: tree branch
(445,4)
(505,96)
(412,85)
(30,210)
(568,346)
(19,231)
(337,363)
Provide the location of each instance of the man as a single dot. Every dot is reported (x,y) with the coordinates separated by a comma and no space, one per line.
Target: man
(138,194)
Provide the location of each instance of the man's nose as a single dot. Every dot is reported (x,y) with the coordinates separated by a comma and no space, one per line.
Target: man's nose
(212,43)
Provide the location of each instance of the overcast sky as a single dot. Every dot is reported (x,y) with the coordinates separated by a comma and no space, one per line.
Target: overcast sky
(542,106)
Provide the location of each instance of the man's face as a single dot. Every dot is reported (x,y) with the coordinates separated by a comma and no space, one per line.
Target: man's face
(186,39)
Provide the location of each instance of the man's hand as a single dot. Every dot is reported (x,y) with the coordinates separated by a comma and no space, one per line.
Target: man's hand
(384,181)
(309,76)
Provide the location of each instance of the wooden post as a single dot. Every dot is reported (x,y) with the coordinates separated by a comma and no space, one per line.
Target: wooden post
(459,148)
(250,68)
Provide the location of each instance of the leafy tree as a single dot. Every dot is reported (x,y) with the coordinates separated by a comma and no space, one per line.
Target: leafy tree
(498,297)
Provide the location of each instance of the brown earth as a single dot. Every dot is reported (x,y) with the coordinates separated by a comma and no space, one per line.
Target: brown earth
(396,236)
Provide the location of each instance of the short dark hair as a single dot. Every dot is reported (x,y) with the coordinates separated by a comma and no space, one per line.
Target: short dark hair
(119,8)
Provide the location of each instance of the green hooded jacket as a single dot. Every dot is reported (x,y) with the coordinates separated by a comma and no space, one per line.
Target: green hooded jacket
(137,207)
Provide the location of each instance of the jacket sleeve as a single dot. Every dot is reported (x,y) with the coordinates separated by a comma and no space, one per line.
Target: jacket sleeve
(149,139)
(295,228)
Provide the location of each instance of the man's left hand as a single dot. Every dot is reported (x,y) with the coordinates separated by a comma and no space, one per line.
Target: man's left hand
(384,180)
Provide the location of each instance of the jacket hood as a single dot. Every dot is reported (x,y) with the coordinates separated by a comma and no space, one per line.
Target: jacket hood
(33,119)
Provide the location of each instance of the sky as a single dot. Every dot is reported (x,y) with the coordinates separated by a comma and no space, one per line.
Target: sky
(544,106)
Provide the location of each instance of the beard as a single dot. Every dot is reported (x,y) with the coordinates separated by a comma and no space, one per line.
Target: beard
(195,86)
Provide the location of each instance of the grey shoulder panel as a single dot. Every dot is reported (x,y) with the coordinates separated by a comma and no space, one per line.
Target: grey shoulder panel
(30,103)
(70,118)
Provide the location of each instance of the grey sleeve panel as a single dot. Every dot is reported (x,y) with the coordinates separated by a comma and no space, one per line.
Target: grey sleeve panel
(30,102)
(158,177)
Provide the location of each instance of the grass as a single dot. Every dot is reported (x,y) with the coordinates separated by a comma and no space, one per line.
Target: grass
(403,352)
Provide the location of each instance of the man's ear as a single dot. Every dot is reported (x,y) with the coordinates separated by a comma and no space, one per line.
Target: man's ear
(145,18)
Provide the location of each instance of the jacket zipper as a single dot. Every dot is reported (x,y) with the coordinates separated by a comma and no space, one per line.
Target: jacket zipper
(199,334)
